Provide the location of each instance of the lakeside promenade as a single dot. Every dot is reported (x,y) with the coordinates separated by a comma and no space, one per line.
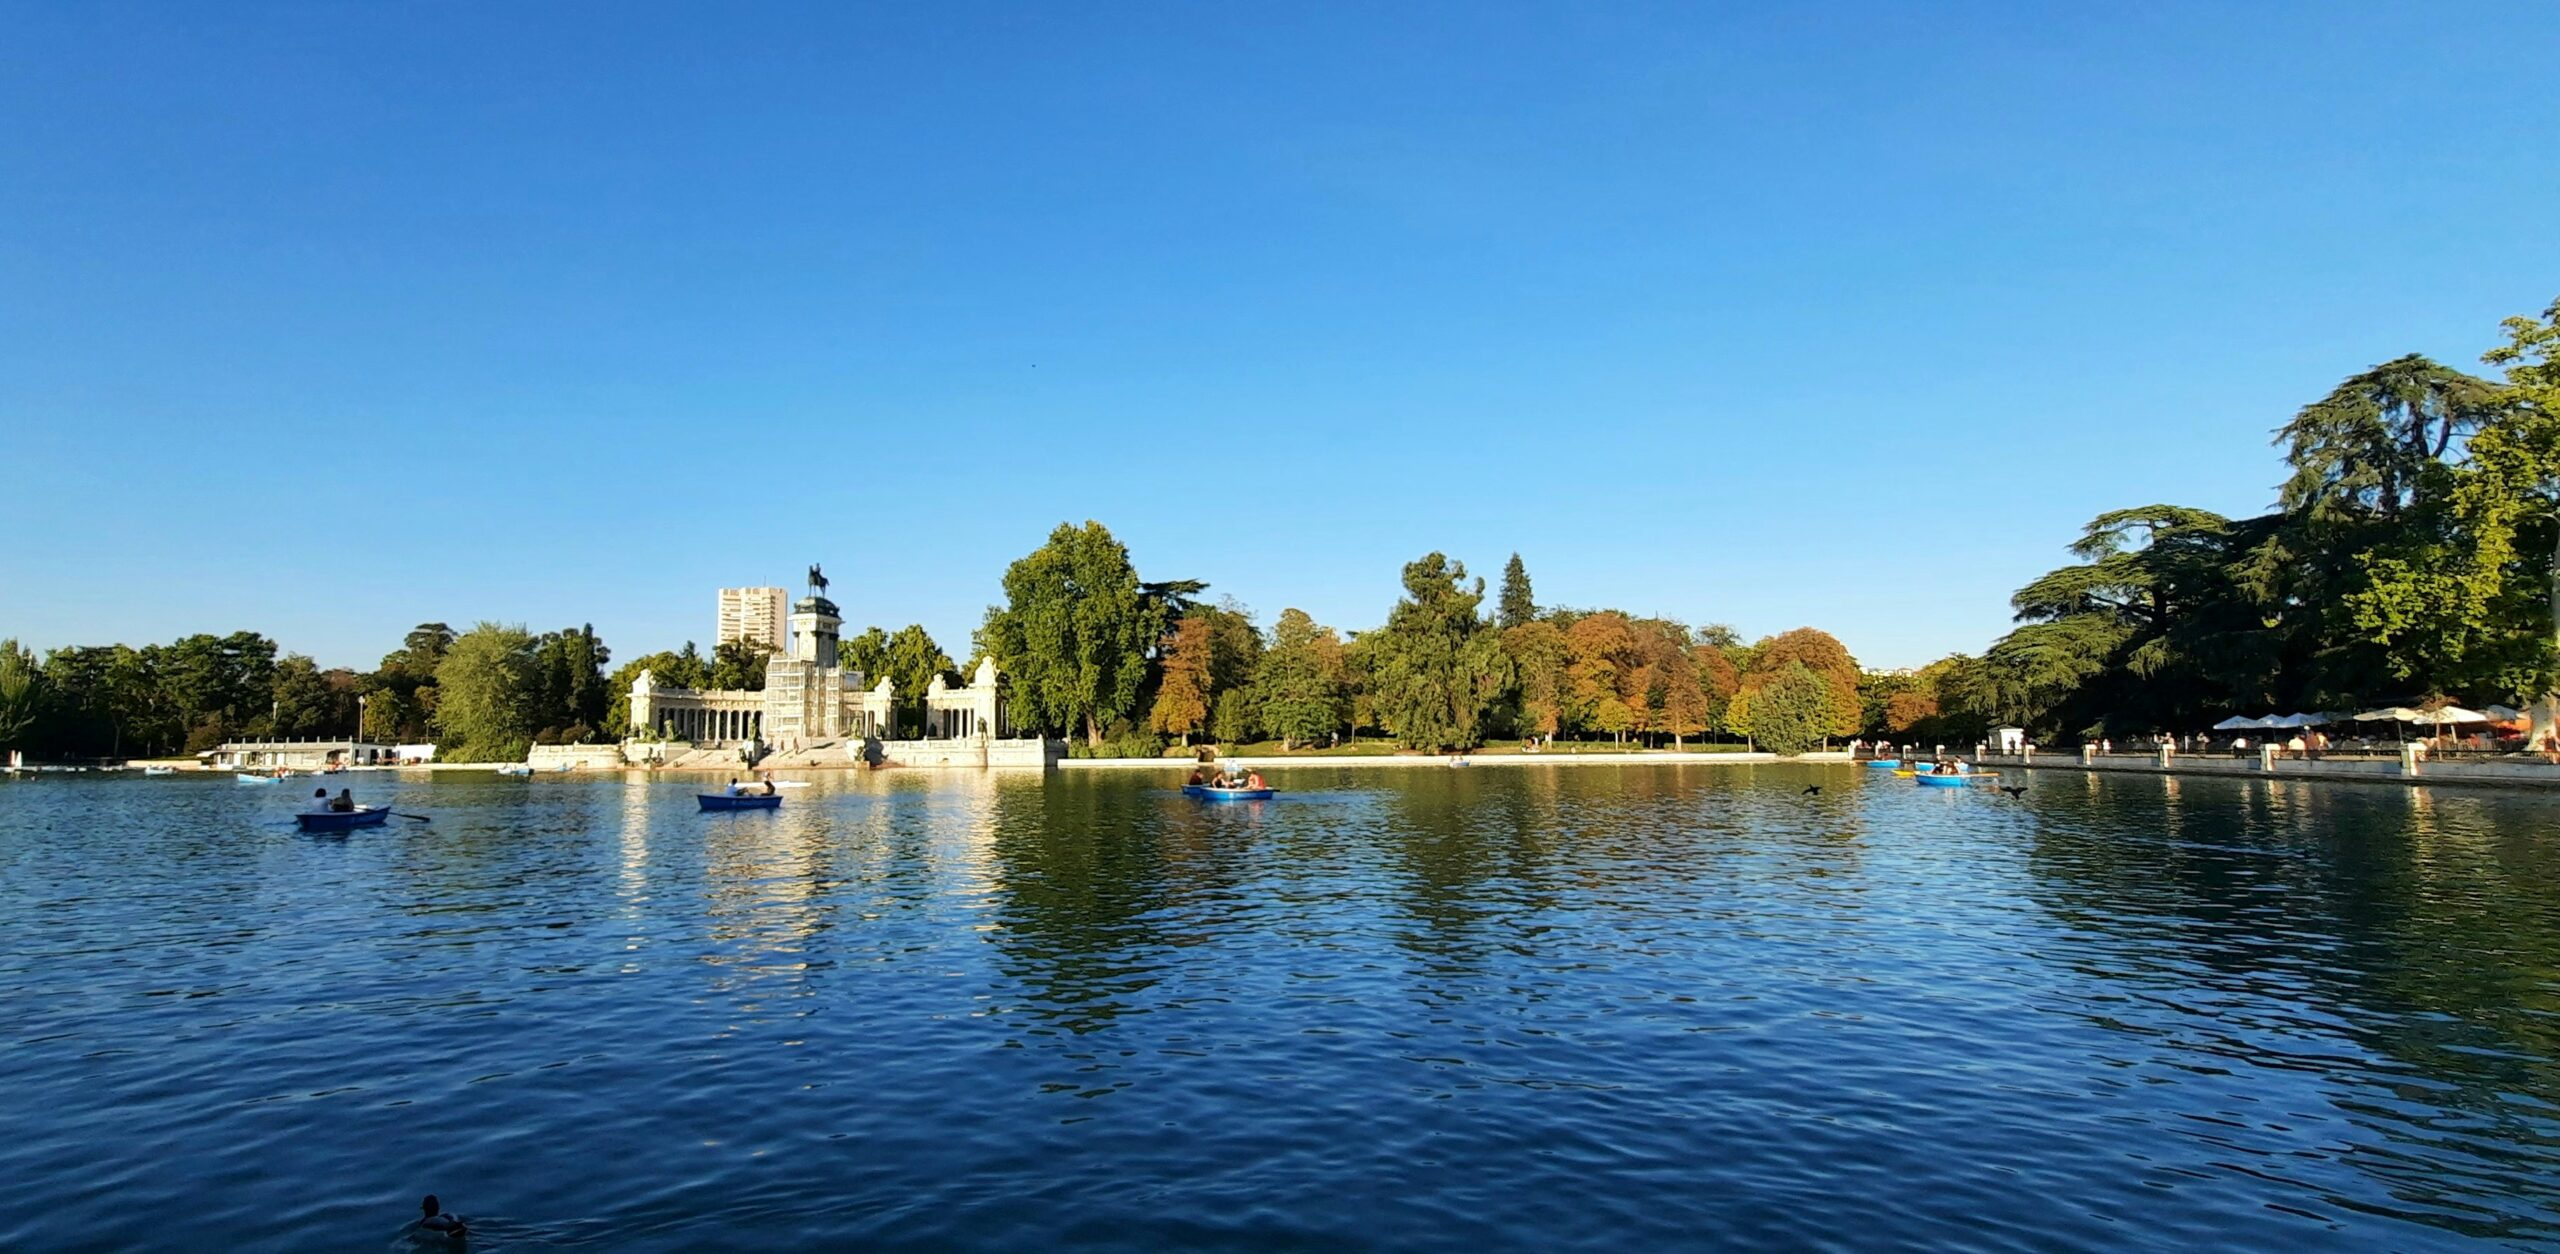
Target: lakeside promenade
(2408,769)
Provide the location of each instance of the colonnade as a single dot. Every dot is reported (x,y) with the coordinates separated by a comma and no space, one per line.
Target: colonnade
(715,725)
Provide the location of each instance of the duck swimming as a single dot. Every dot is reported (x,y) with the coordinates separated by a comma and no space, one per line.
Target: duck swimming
(434,1222)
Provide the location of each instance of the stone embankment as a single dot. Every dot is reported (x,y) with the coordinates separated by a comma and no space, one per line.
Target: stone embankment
(1277,762)
(2410,768)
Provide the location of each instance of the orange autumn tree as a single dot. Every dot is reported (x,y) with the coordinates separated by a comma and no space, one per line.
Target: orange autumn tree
(1182,699)
(1821,653)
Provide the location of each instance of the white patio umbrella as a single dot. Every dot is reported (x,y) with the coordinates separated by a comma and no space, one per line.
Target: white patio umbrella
(2393,714)
(2456,714)
(2503,713)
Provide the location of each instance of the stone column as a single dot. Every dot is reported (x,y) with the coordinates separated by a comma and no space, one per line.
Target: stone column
(2088,755)
(2266,757)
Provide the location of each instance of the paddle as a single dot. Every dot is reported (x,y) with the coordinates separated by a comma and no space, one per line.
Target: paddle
(414,818)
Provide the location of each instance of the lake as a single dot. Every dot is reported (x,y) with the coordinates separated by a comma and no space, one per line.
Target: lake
(1501,1008)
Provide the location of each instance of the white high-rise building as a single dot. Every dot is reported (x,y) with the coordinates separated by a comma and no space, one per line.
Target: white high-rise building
(751,614)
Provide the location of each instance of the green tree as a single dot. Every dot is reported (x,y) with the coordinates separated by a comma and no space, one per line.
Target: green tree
(1518,606)
(738,666)
(1793,710)
(1302,682)
(1822,654)
(911,663)
(1541,662)
(488,682)
(1438,666)
(301,700)
(867,653)
(1075,632)
(21,696)
(2372,444)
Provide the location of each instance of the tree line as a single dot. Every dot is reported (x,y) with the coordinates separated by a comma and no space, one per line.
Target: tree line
(1125,666)
(2412,558)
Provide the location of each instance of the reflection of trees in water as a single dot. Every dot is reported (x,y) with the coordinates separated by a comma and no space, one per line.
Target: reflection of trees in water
(1098,881)
(2421,926)
(1484,857)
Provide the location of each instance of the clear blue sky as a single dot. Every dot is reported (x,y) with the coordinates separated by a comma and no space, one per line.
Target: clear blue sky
(1708,311)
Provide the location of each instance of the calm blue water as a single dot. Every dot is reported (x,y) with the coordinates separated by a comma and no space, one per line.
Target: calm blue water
(1547,1008)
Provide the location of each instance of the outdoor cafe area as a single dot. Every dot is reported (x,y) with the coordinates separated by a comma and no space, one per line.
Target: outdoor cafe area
(2447,731)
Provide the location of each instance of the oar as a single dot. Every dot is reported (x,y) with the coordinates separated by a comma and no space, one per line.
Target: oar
(414,818)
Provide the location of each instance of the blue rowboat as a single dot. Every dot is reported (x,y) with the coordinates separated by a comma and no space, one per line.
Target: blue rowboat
(723,801)
(344,820)
(1954,781)
(1207,792)
(256,779)
(1884,764)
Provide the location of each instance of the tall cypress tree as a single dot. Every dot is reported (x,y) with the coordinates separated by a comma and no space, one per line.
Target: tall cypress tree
(1518,606)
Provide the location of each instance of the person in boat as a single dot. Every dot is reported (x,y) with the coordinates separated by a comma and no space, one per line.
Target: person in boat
(1199,776)
(320,803)
(344,802)
(434,1222)
(1254,780)
(734,789)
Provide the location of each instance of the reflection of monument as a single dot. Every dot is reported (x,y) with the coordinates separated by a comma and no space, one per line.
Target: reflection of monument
(810,699)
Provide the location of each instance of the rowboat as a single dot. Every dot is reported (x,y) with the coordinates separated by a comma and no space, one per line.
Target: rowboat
(1884,764)
(159,770)
(343,820)
(1955,781)
(1210,792)
(516,769)
(247,778)
(723,801)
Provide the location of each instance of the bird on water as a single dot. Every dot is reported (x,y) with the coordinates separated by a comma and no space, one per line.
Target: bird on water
(1811,790)
(2014,790)
(435,1222)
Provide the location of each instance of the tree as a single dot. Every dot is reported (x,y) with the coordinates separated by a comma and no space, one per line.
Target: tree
(1182,695)
(1604,655)
(1302,682)
(487,681)
(2371,444)
(302,702)
(1075,631)
(1793,710)
(21,695)
(1541,662)
(867,653)
(1437,666)
(738,665)
(1235,654)
(1518,607)
(911,663)
(1825,658)
(1674,694)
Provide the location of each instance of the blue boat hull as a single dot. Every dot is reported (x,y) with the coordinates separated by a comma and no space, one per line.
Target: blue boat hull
(1884,764)
(723,801)
(343,822)
(1206,793)
(1944,781)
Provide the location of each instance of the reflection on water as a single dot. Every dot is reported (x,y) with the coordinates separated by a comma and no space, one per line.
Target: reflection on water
(1605,1007)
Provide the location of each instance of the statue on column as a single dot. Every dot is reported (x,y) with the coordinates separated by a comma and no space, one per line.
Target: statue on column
(818,578)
